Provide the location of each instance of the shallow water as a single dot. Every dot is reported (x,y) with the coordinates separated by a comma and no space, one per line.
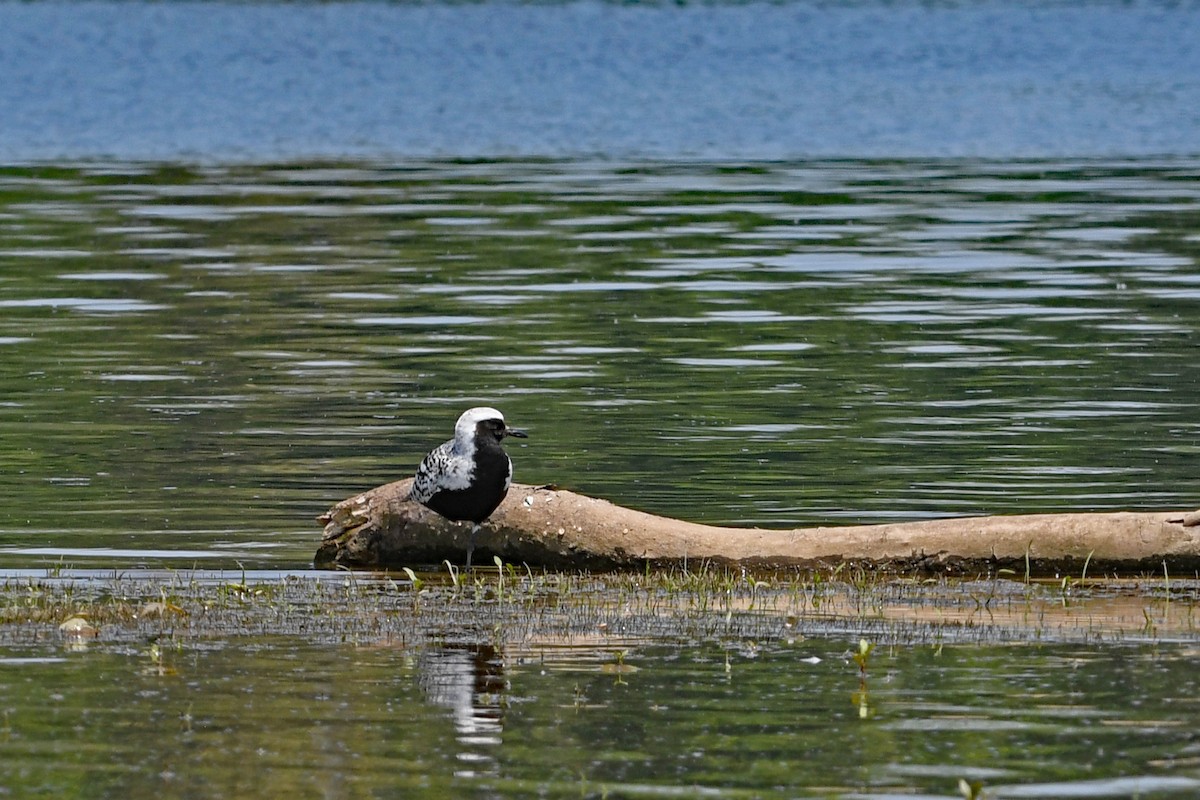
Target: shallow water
(199,360)
(507,684)
(278,716)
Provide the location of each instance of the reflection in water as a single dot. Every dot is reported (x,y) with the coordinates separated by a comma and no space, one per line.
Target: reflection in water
(206,358)
(469,681)
(265,685)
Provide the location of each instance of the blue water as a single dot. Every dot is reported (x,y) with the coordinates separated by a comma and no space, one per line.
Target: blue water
(262,81)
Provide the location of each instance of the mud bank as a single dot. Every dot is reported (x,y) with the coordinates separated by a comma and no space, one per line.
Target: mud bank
(559,529)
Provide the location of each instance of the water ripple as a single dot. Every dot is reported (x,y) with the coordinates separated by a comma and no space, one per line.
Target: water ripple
(766,344)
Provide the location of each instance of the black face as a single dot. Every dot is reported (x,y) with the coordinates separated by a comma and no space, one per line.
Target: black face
(497,430)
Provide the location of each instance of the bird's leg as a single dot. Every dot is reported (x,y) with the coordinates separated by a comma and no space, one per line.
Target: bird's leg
(471,542)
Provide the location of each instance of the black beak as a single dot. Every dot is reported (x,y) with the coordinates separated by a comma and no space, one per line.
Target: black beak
(517,432)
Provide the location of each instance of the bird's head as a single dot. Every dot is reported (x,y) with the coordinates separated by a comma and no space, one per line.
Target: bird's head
(477,424)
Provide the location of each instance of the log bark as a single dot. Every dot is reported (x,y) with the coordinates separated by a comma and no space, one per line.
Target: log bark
(545,527)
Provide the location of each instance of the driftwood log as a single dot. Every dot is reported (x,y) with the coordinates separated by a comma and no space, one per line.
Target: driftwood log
(544,527)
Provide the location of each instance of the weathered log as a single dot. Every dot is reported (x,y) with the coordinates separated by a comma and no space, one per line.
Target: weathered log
(545,527)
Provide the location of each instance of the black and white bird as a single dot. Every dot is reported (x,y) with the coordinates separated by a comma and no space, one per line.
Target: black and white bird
(467,477)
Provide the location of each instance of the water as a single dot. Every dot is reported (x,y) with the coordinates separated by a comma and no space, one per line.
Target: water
(751,264)
(514,684)
(199,360)
(268,81)
(777,719)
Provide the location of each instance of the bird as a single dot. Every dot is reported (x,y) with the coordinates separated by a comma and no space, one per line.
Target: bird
(467,477)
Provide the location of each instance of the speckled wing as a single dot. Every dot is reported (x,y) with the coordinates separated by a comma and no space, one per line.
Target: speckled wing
(441,470)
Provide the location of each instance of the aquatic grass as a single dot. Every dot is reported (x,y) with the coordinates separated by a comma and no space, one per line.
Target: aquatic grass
(519,608)
(862,697)
(1086,562)
(862,657)
(413,580)
(970,790)
(453,572)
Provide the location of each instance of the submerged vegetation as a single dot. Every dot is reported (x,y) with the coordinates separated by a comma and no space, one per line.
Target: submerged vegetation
(515,607)
(505,682)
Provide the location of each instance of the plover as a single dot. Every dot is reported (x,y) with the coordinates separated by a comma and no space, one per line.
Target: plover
(467,477)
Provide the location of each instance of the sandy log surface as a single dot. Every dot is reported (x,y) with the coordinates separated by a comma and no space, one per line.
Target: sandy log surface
(553,528)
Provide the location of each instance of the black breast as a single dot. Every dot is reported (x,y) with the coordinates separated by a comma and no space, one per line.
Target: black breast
(489,485)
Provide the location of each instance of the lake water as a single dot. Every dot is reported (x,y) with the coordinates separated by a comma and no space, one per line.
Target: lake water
(318,721)
(267,81)
(318,685)
(752,264)
(199,360)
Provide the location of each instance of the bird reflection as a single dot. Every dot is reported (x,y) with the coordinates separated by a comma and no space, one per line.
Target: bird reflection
(469,681)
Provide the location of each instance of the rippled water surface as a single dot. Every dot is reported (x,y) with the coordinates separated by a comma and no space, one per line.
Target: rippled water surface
(277,717)
(269,80)
(196,361)
(257,257)
(199,683)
